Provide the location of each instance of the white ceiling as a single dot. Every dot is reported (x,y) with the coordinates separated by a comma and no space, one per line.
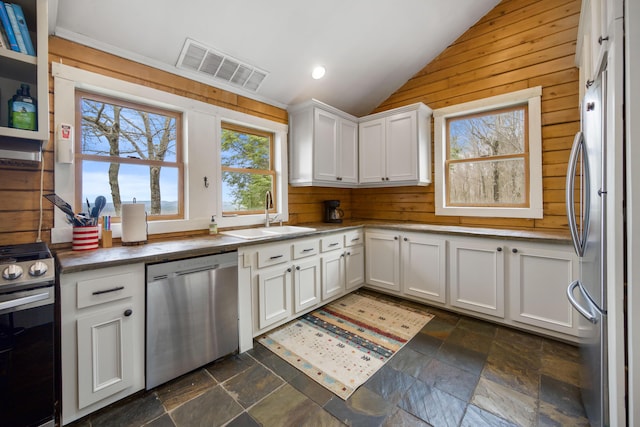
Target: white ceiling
(369,47)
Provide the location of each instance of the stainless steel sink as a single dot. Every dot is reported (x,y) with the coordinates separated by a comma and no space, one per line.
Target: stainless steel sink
(257,233)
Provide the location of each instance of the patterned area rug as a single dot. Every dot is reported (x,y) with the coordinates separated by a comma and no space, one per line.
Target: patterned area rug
(342,344)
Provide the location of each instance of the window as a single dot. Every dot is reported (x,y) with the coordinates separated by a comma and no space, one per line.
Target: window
(190,171)
(488,157)
(247,169)
(128,152)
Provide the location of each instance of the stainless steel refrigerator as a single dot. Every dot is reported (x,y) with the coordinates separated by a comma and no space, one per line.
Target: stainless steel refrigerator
(586,194)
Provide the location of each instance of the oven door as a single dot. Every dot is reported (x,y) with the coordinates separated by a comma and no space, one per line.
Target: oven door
(27,387)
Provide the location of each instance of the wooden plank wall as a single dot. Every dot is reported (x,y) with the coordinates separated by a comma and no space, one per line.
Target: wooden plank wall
(517,45)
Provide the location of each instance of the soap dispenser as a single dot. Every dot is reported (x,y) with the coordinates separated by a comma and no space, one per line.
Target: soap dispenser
(213,226)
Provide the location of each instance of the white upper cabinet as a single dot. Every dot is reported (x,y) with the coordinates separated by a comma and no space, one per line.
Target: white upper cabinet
(395,147)
(323,146)
(333,149)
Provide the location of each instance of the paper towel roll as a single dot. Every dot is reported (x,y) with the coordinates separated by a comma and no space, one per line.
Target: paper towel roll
(134,223)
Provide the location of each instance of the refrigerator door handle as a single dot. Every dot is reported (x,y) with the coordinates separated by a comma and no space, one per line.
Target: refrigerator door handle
(587,314)
(578,237)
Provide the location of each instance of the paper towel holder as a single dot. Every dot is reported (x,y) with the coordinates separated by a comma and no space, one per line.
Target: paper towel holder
(135,227)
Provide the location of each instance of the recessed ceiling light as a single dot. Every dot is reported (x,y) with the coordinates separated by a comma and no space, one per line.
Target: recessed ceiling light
(318,72)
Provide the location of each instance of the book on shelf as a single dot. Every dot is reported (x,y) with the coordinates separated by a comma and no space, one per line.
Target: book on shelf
(4,41)
(24,30)
(15,27)
(8,29)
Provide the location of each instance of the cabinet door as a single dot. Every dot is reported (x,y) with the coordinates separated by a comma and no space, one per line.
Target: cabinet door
(348,149)
(538,284)
(332,274)
(477,275)
(274,295)
(105,353)
(402,147)
(354,266)
(306,282)
(424,267)
(383,260)
(372,151)
(325,147)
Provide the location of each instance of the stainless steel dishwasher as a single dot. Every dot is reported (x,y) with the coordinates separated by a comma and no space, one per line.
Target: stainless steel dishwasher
(192,314)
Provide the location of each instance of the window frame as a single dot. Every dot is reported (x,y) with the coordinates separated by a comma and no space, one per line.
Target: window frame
(271,171)
(79,156)
(531,99)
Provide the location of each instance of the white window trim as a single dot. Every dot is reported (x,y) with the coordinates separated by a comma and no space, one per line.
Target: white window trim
(201,145)
(532,97)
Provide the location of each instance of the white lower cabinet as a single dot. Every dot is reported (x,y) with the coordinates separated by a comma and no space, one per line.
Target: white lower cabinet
(306,283)
(514,282)
(407,263)
(383,260)
(539,275)
(354,267)
(102,336)
(333,274)
(274,294)
(424,266)
(476,275)
(286,279)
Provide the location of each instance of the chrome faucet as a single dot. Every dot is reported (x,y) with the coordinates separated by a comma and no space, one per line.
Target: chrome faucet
(268,204)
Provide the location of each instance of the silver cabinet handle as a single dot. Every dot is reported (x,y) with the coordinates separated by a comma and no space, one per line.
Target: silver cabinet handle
(23,301)
(307,250)
(276,256)
(334,244)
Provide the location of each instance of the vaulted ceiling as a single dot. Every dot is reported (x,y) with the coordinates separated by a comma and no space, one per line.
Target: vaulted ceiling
(368,47)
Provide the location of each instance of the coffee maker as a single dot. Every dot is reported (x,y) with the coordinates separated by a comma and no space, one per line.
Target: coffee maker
(332,211)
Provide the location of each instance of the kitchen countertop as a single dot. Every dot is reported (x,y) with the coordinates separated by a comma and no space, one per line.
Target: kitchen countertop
(69,261)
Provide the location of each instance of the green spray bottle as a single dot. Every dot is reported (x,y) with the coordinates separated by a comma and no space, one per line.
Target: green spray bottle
(23,109)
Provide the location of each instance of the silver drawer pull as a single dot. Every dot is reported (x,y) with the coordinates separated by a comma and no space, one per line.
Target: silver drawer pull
(355,239)
(334,244)
(307,250)
(106,291)
(276,256)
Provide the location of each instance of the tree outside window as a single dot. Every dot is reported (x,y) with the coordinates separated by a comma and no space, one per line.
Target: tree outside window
(127,151)
(247,169)
(487,159)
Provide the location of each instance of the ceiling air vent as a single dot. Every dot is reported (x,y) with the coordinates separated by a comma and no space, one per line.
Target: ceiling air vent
(198,57)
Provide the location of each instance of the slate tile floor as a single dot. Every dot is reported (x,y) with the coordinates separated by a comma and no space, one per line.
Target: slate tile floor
(458,371)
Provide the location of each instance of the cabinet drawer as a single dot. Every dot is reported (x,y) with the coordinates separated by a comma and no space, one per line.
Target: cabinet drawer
(105,289)
(331,243)
(272,255)
(352,238)
(305,248)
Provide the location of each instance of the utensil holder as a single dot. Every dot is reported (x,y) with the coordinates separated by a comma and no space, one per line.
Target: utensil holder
(85,238)
(107,238)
